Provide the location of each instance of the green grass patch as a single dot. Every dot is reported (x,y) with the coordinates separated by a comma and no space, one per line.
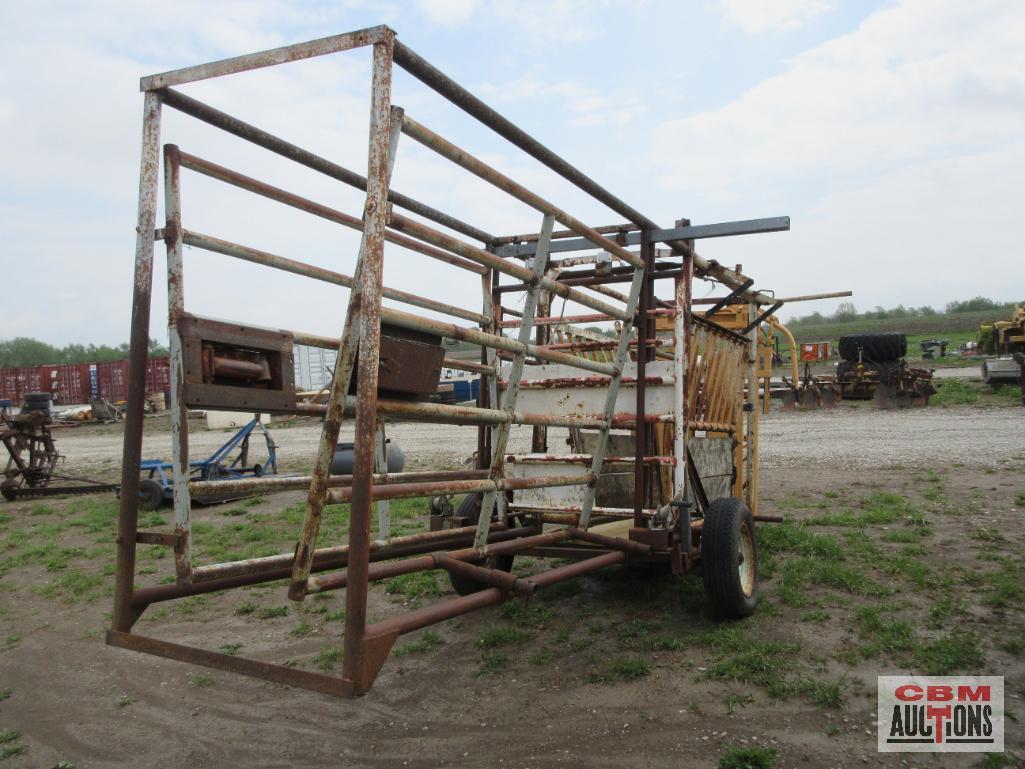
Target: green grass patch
(427,641)
(230,649)
(797,575)
(954,392)
(881,634)
(747,757)
(270,612)
(502,635)
(202,680)
(623,669)
(328,657)
(414,586)
(954,652)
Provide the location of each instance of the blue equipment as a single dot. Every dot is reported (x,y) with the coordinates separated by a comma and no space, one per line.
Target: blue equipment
(156,488)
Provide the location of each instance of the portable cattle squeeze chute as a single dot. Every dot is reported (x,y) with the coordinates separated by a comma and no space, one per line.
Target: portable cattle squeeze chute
(669,412)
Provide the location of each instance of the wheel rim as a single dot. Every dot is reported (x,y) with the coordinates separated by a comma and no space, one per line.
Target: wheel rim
(746,559)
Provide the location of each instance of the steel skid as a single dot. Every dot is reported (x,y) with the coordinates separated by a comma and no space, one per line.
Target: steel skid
(660,392)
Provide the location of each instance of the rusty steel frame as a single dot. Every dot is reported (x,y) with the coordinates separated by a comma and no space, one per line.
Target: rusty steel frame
(458,550)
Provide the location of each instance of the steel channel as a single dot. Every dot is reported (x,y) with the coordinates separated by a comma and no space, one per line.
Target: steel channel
(601,446)
(138,357)
(501,434)
(383,145)
(497,341)
(688,232)
(441,240)
(268,58)
(608,229)
(480,169)
(256,256)
(180,469)
(261,138)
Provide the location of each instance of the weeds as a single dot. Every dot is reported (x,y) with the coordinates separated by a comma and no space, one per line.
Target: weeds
(202,680)
(955,651)
(328,657)
(427,641)
(623,669)
(747,757)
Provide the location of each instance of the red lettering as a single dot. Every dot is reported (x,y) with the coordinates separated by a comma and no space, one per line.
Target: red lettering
(908,693)
(940,693)
(968,694)
(938,715)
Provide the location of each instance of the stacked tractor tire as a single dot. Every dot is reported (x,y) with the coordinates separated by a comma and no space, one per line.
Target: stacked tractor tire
(883,352)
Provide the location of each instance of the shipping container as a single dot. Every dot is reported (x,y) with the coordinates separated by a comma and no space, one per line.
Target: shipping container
(79,383)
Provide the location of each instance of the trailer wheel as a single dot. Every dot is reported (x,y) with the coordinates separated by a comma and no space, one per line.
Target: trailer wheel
(151,495)
(729,557)
(470,509)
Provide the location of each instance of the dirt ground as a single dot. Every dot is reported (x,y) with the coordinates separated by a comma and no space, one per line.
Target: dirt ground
(902,552)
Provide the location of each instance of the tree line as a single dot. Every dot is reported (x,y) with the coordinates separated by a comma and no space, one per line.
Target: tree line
(846,312)
(25,351)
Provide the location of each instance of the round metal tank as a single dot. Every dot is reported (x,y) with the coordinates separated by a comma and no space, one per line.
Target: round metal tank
(342,463)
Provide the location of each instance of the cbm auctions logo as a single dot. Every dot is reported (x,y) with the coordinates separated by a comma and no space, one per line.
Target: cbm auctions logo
(941,714)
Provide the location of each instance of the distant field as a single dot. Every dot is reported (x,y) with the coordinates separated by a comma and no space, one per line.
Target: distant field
(959,325)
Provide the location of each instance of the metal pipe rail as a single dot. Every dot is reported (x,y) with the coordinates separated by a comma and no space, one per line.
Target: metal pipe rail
(260,138)
(267,259)
(462,158)
(486,258)
(269,191)
(416,490)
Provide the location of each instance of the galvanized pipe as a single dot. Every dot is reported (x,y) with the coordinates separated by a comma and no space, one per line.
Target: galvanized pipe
(254,135)
(288,483)
(462,158)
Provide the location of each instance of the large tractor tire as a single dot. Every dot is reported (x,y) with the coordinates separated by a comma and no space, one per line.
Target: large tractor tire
(470,509)
(729,558)
(874,347)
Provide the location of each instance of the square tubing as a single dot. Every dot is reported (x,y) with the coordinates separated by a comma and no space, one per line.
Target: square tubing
(370,282)
(128,514)
(681,358)
(644,327)
(180,471)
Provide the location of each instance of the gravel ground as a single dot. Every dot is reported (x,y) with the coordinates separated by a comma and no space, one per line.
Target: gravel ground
(857,435)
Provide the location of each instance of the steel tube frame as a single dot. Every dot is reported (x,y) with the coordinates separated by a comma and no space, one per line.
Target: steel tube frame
(365,646)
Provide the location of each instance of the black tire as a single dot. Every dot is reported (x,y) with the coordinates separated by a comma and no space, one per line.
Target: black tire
(875,347)
(728,543)
(151,495)
(38,397)
(258,470)
(470,509)
(10,493)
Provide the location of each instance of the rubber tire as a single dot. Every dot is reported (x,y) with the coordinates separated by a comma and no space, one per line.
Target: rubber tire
(38,397)
(151,495)
(890,345)
(720,538)
(470,509)
(258,470)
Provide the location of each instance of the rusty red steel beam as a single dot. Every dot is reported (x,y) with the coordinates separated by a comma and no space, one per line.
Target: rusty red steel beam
(591,345)
(607,229)
(583,459)
(613,543)
(561,320)
(599,382)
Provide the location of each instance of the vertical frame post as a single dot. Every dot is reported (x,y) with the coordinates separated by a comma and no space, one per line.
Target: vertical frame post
(369,289)
(751,416)
(128,515)
(644,325)
(179,413)
(681,359)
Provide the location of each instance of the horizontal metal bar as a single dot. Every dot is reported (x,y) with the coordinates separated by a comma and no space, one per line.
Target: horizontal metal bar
(268,141)
(430,489)
(290,482)
(608,229)
(488,259)
(456,415)
(332,343)
(496,341)
(268,58)
(256,256)
(460,157)
(566,320)
(582,459)
(234,178)
(693,232)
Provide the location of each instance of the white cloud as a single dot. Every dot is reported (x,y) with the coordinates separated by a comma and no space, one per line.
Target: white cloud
(755,17)
(892,148)
(449,12)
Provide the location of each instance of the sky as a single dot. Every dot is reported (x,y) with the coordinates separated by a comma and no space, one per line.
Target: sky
(891,133)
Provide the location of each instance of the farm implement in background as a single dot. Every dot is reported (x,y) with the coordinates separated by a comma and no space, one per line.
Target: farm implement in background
(874,366)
